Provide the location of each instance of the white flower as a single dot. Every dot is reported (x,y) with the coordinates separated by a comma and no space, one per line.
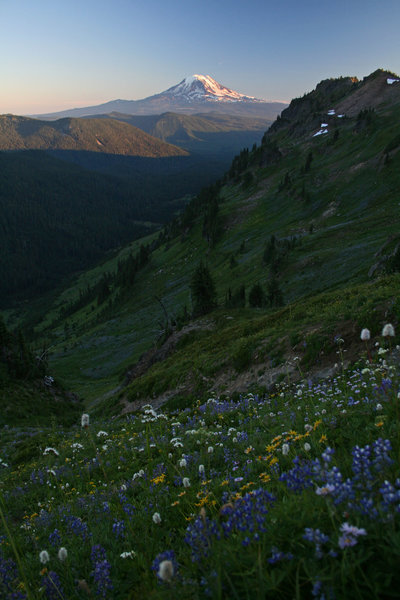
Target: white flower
(352,530)
(325,490)
(182,462)
(62,554)
(379,407)
(166,570)
(44,557)
(85,420)
(201,469)
(210,449)
(285,449)
(102,434)
(388,330)
(51,451)
(307,447)
(130,554)
(365,334)
(308,427)
(156,518)
(186,482)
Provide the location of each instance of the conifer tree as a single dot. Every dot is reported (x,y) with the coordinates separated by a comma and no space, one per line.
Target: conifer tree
(203,291)
(274,293)
(257,297)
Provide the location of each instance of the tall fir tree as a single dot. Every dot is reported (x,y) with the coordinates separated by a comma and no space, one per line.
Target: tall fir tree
(203,291)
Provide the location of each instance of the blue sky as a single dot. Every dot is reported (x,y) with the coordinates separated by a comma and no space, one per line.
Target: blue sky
(61,54)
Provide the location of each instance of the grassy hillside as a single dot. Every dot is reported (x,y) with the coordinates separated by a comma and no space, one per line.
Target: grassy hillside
(329,204)
(28,396)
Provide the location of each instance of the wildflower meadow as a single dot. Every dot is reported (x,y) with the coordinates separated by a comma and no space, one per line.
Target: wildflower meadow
(295,494)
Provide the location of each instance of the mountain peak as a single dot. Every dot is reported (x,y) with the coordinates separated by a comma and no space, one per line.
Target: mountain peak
(195,88)
(194,94)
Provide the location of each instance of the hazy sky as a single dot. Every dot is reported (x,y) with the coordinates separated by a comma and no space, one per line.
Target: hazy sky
(58,54)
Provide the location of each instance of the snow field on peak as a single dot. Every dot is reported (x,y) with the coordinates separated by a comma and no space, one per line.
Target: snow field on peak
(197,87)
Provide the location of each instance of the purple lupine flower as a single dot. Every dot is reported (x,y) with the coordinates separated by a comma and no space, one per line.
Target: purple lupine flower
(52,586)
(118,529)
(278,555)
(300,477)
(77,527)
(101,571)
(316,537)
(55,538)
(9,580)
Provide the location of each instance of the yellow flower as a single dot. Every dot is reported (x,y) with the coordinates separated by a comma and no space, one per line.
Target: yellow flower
(159,479)
(202,502)
(246,486)
(225,482)
(323,438)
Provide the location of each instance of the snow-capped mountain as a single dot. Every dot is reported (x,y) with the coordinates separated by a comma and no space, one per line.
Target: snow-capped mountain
(198,88)
(194,94)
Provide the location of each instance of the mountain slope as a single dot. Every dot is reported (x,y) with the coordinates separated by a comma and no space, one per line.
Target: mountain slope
(315,215)
(194,94)
(95,135)
(209,134)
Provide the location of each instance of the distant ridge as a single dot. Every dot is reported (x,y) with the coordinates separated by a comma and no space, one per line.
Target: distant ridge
(194,94)
(95,135)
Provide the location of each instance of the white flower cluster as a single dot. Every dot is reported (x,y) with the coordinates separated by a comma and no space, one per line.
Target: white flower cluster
(50,450)
(130,554)
(150,414)
(77,446)
(138,474)
(102,434)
